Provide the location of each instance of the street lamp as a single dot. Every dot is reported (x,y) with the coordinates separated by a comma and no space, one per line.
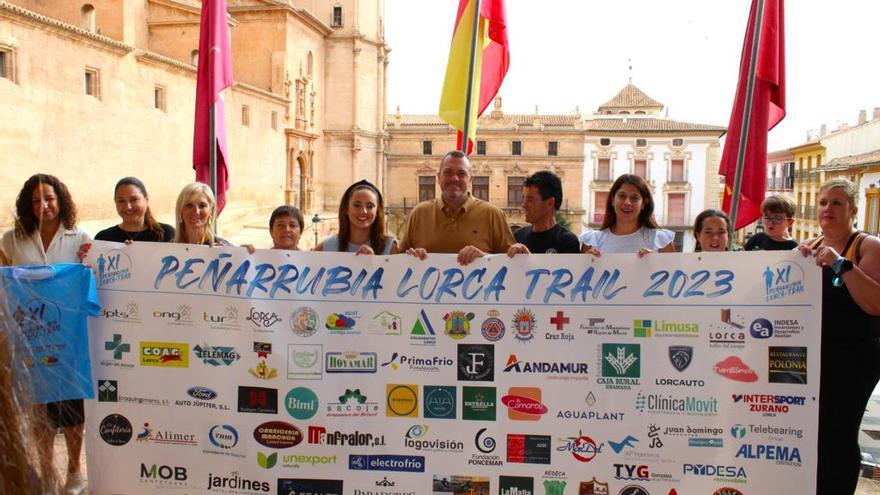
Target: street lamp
(315,221)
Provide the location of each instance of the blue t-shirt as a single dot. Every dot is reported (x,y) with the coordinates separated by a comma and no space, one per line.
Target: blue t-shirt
(48,306)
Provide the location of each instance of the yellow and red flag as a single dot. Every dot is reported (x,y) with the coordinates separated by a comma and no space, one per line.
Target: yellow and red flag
(490,65)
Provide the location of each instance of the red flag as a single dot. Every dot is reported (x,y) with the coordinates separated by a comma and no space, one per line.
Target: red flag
(214,75)
(490,67)
(768,109)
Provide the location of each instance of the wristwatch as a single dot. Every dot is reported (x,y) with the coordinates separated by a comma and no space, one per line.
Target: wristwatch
(841,265)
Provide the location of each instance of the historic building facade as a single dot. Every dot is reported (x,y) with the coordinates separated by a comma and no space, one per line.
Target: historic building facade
(508,148)
(679,160)
(95,91)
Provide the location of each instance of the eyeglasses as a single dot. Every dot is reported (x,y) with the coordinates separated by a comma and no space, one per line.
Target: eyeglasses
(775,219)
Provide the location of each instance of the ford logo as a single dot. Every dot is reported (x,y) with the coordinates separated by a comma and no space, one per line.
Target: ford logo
(201,393)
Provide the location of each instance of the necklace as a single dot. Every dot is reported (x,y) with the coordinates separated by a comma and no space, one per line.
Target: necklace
(132,236)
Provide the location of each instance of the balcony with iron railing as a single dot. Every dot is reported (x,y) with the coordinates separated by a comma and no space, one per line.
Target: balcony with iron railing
(780,184)
(677,222)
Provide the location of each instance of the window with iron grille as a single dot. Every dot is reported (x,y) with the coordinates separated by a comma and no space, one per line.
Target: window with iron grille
(427,147)
(427,188)
(481,187)
(481,147)
(515,191)
(553,148)
(516,148)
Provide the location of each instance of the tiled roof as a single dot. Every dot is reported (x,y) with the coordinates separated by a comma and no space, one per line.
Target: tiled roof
(629,97)
(649,125)
(844,162)
(522,120)
(48,21)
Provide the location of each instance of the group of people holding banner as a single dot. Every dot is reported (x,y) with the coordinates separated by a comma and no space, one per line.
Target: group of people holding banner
(456,222)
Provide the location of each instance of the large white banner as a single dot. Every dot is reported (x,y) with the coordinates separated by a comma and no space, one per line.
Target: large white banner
(325,373)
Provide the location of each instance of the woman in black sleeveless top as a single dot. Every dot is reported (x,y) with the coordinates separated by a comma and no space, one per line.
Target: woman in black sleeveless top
(850,262)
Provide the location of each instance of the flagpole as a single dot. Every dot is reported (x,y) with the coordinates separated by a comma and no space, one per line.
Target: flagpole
(213,163)
(470,82)
(747,116)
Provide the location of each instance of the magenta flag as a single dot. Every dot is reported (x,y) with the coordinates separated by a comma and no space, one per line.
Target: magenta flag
(214,75)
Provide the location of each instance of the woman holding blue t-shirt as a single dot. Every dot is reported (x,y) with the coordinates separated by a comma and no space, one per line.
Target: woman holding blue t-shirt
(361,223)
(45,233)
(629,225)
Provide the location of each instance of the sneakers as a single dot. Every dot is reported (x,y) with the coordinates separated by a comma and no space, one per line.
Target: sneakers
(75,485)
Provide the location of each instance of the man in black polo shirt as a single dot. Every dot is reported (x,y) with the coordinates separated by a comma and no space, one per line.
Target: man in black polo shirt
(542,197)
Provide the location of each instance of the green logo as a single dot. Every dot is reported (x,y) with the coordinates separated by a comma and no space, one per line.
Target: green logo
(301,403)
(267,462)
(554,487)
(642,328)
(478,403)
(621,360)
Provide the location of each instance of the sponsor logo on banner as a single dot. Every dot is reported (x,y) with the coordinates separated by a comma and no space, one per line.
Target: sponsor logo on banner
(307,461)
(201,393)
(422,332)
(111,267)
(555,370)
(446,484)
(761,328)
(297,486)
(632,472)
(263,370)
(598,326)
(352,404)
(681,356)
(718,472)
(227,320)
(416,438)
(621,365)
(318,435)
(402,401)
(730,334)
(130,313)
(775,433)
(706,442)
(257,400)
(262,321)
(781,454)
(676,404)
(679,382)
(734,368)
(478,403)
(581,447)
(164,476)
(458,324)
(385,323)
(524,325)
(633,490)
(222,439)
(738,431)
(524,403)
(402,463)
(528,449)
(492,327)
(783,280)
(216,355)
(204,398)
(301,403)
(628,441)
(236,484)
(486,445)
(278,435)
(304,322)
(593,487)
(656,441)
(417,363)
(558,321)
(304,361)
(788,365)
(476,362)
(115,429)
(350,362)
(342,323)
(516,485)
(165,354)
(726,490)
(166,437)
(661,328)
(108,391)
(118,350)
(181,316)
(768,404)
(439,402)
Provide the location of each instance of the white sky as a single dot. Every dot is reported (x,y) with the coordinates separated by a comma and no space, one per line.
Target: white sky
(685,54)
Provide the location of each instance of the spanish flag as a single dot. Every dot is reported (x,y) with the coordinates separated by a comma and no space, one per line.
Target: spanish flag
(492,58)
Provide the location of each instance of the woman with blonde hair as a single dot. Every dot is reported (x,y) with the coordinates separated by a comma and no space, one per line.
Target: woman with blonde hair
(850,361)
(194,215)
